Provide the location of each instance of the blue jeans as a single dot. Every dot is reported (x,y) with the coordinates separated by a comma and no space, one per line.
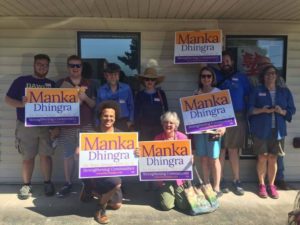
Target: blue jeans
(280,168)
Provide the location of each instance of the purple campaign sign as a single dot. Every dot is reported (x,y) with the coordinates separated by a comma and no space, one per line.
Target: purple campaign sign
(231,122)
(198,59)
(52,121)
(108,171)
(166,175)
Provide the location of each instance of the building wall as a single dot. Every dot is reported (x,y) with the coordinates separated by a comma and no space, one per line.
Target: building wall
(21,38)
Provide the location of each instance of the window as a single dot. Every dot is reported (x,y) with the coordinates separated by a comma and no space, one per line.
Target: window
(250,49)
(98,48)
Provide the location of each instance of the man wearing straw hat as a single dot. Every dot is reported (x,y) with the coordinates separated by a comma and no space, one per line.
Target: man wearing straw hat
(119,92)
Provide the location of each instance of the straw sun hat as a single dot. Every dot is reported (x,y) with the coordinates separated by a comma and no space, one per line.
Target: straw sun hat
(152,74)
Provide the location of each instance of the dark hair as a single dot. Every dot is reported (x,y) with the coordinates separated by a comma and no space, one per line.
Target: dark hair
(108,104)
(229,53)
(264,71)
(112,68)
(214,79)
(42,56)
(74,57)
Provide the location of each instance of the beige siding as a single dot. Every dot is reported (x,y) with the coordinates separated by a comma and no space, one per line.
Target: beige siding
(21,39)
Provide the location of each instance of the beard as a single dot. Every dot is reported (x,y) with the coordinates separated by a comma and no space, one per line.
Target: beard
(227,70)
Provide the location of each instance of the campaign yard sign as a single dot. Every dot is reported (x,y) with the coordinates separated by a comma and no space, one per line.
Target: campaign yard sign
(52,107)
(108,154)
(204,46)
(165,160)
(207,111)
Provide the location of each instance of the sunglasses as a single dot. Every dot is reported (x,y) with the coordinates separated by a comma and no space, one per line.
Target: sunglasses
(149,79)
(206,76)
(74,65)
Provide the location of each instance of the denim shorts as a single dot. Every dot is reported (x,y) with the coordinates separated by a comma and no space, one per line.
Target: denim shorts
(204,147)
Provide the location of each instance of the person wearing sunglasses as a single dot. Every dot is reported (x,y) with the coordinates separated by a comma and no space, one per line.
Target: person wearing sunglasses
(208,144)
(150,104)
(69,136)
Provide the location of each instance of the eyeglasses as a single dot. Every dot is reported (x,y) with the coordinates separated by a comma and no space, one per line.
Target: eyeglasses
(149,79)
(206,76)
(74,65)
(271,73)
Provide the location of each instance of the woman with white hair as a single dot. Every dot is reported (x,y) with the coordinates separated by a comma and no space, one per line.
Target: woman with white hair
(171,193)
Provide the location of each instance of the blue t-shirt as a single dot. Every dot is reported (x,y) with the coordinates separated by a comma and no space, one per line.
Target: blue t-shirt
(17,90)
(238,86)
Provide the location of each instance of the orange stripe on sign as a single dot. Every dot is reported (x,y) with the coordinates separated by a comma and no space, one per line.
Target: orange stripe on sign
(205,101)
(165,148)
(108,141)
(198,37)
(52,95)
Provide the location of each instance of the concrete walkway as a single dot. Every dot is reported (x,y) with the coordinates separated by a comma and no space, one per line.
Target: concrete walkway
(140,209)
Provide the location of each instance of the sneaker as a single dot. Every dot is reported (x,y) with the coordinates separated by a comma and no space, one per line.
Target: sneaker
(282,185)
(237,187)
(262,191)
(85,194)
(101,217)
(25,192)
(223,186)
(49,189)
(65,190)
(273,192)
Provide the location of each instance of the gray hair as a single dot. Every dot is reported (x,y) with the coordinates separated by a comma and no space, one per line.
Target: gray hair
(170,117)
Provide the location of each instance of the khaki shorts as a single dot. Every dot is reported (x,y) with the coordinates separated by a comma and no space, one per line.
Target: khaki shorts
(31,141)
(269,146)
(234,137)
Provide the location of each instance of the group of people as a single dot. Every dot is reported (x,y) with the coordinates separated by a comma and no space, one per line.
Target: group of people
(113,108)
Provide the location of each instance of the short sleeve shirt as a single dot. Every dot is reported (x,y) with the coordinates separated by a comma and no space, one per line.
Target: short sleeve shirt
(17,90)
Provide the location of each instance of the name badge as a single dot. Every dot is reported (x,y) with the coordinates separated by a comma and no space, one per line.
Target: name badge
(235,79)
(156,99)
(262,94)
(121,101)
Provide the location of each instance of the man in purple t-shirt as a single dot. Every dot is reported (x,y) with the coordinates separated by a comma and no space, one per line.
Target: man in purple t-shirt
(31,141)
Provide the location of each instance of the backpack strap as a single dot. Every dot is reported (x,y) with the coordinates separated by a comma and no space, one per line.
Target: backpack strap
(161,100)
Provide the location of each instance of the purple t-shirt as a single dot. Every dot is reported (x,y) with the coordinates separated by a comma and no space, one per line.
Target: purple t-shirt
(17,90)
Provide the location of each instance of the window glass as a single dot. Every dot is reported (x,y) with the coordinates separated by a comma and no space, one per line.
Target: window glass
(99,48)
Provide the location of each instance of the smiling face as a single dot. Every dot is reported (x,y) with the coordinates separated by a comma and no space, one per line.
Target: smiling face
(75,68)
(227,64)
(41,67)
(270,77)
(169,127)
(107,118)
(206,78)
